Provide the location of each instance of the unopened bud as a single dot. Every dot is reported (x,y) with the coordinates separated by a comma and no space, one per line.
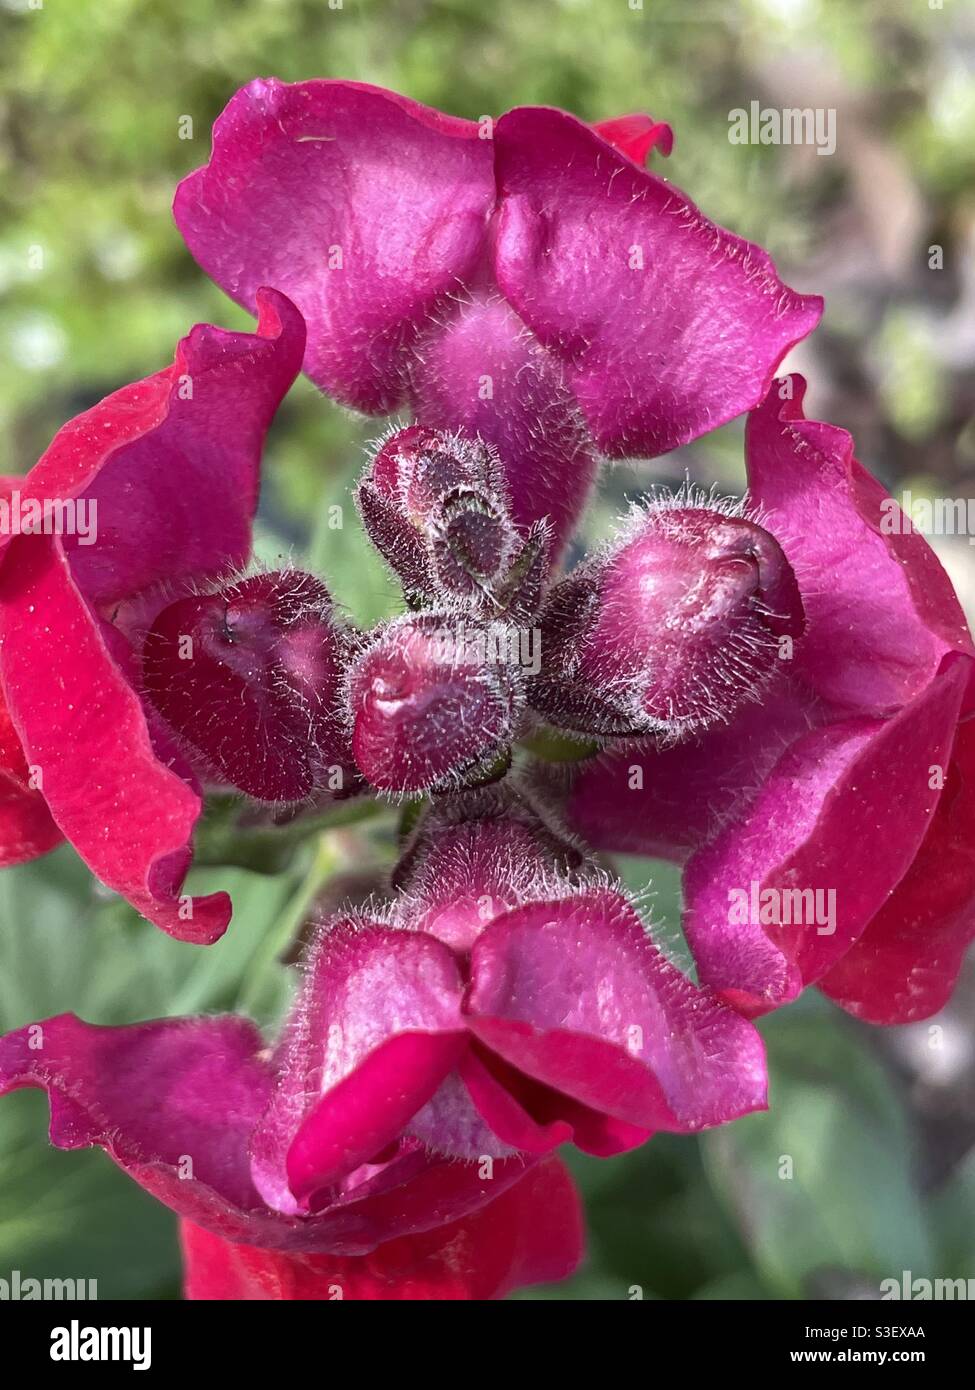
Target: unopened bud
(248,678)
(673,630)
(428,709)
(436,506)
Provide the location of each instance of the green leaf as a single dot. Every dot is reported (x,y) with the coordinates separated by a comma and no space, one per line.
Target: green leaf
(821,1183)
(76,1216)
(952,1215)
(67,944)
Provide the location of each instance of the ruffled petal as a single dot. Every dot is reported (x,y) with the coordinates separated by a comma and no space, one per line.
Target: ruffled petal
(174,1103)
(833,830)
(127,813)
(668,325)
(366,208)
(531,1234)
(169,467)
(574,994)
(880,610)
(637,136)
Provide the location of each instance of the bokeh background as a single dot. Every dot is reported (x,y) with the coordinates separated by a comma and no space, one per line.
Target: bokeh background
(95,288)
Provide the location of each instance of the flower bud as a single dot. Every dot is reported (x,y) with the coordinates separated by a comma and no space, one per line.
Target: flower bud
(248,679)
(429,709)
(436,506)
(672,630)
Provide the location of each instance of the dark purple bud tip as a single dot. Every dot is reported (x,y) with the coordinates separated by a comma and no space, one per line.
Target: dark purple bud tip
(673,630)
(472,542)
(248,679)
(418,468)
(429,708)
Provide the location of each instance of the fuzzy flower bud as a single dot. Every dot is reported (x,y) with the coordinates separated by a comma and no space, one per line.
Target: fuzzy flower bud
(670,631)
(436,506)
(247,678)
(429,705)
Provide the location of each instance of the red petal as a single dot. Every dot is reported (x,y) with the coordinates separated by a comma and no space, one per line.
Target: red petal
(530,1234)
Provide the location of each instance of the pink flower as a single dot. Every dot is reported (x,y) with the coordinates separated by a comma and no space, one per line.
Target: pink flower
(525,280)
(827,830)
(499,1008)
(177,1103)
(168,468)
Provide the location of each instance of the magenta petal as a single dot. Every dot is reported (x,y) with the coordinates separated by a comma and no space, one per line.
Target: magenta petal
(172,1102)
(532,1233)
(483,371)
(366,208)
(26,827)
(907,961)
(534,1118)
(667,802)
(842,813)
(637,136)
(687,338)
(365,986)
(170,466)
(573,993)
(881,612)
(504,1113)
(601,1135)
(362,1114)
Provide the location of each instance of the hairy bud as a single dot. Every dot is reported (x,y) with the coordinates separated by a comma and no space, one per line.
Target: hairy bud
(429,707)
(248,679)
(672,630)
(436,506)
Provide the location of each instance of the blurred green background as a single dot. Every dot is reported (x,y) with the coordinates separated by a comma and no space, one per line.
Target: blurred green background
(864,1166)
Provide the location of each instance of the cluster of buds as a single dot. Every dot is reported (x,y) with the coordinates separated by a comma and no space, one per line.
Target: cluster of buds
(505,996)
(667,631)
(436,698)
